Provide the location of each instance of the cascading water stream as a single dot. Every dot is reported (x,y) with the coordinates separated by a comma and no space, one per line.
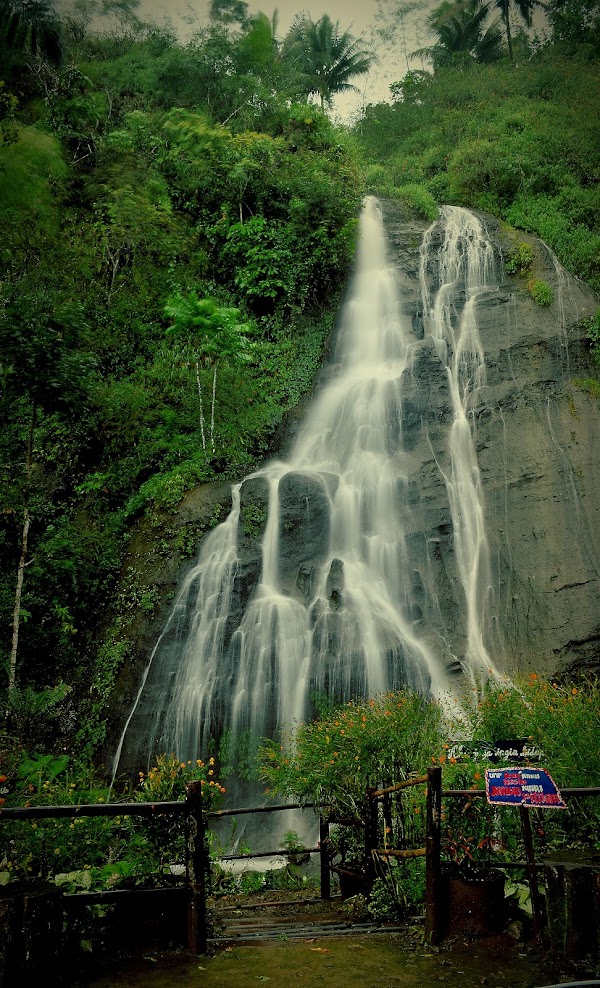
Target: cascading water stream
(233,658)
(464,265)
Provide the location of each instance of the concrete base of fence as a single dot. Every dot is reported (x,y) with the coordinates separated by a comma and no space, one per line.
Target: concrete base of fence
(31,920)
(352,883)
(474,906)
(573,905)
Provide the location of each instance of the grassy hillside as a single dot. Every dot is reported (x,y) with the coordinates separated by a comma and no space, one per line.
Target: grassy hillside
(519,140)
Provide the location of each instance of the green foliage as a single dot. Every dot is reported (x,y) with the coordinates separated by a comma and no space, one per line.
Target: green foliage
(214,332)
(30,29)
(462,37)
(253,518)
(592,332)
(519,141)
(33,170)
(326,56)
(419,198)
(94,852)
(575,22)
(31,713)
(121,187)
(540,291)
(589,385)
(8,108)
(365,742)
(562,722)
(398,891)
(519,258)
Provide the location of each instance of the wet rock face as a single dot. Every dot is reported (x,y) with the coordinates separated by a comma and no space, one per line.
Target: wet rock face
(536,438)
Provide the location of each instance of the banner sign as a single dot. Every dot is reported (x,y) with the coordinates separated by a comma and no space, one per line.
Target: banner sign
(514,750)
(522,787)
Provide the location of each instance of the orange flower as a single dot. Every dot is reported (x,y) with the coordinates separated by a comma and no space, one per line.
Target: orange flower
(477,776)
(2,778)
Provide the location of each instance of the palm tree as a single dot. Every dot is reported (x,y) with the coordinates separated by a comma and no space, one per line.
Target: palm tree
(525,9)
(326,56)
(461,35)
(30,27)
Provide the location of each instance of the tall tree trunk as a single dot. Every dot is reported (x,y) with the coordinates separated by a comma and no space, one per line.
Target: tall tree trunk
(509,36)
(12,668)
(212,410)
(199,386)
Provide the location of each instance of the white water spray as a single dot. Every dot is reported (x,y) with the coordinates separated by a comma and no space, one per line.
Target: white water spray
(464,261)
(242,659)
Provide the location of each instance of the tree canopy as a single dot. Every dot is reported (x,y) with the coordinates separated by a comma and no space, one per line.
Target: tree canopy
(327,57)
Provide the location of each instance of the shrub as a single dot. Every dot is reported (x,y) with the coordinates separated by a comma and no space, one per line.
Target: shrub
(592,332)
(363,743)
(93,852)
(540,291)
(419,198)
(519,258)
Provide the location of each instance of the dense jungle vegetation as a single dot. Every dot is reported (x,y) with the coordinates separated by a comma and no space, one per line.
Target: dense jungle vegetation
(178,225)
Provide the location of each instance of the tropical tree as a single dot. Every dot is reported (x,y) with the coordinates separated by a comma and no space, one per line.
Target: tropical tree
(43,373)
(462,35)
(228,12)
(209,334)
(575,21)
(30,27)
(524,8)
(257,49)
(326,57)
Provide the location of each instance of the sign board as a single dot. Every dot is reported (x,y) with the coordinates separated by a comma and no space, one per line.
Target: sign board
(522,787)
(513,750)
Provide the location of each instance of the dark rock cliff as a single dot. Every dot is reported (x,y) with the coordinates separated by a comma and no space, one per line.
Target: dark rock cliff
(536,438)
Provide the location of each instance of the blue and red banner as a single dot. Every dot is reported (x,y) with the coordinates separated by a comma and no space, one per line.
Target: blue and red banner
(522,787)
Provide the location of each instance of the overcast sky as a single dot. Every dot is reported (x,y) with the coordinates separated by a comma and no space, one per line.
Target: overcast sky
(358,16)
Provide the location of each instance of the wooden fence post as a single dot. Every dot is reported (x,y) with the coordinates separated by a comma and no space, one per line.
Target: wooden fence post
(324,857)
(196,868)
(371,834)
(536,901)
(433,869)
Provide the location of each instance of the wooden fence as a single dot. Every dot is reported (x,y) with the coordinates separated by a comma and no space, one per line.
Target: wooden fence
(197,861)
(198,864)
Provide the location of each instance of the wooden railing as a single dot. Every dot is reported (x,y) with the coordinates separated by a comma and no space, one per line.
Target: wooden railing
(198,863)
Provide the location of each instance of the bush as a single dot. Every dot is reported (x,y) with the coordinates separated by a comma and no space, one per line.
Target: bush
(592,332)
(93,852)
(419,198)
(519,258)
(363,743)
(540,291)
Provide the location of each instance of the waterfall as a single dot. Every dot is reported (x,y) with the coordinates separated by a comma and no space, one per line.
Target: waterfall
(464,267)
(361,615)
